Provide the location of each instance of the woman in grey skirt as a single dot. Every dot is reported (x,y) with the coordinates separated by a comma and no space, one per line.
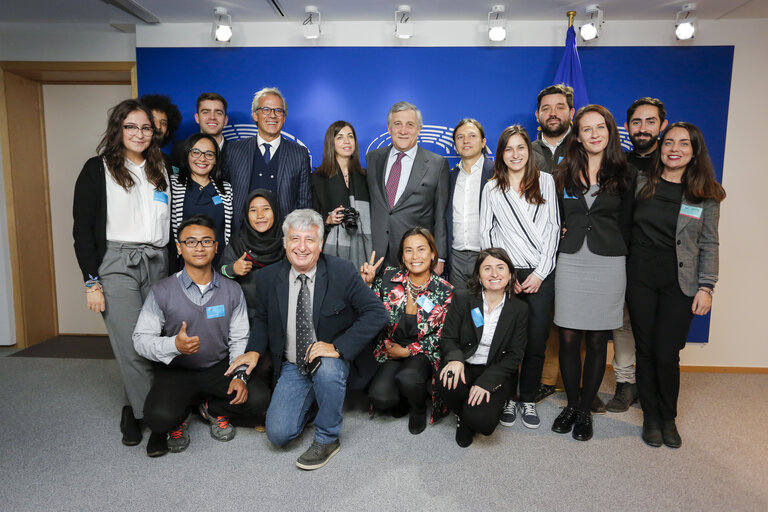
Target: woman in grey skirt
(595,189)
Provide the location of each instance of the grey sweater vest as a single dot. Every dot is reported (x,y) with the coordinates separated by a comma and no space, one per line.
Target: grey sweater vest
(210,321)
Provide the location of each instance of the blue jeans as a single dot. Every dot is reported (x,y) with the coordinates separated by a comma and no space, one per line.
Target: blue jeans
(294,395)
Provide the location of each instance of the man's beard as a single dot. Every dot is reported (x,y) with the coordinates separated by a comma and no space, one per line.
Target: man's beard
(642,146)
(554,132)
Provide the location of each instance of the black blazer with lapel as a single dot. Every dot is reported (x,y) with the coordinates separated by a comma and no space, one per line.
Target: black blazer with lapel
(460,337)
(345,312)
(293,190)
(453,175)
(607,226)
(422,203)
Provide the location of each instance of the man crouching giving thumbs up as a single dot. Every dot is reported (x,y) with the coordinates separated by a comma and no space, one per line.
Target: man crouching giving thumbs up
(193,325)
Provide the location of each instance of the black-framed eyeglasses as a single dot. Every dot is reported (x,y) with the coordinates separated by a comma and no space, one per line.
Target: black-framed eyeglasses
(193,242)
(279,112)
(132,129)
(196,153)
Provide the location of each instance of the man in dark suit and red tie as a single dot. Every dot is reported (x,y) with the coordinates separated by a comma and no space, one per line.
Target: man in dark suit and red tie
(408,186)
(268,160)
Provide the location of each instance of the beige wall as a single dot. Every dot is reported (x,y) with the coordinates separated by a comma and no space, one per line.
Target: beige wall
(75,118)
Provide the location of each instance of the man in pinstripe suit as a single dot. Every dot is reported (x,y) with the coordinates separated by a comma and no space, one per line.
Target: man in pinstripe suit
(268,160)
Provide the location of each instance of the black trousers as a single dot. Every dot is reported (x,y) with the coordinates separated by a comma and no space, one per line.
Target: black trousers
(539,320)
(398,378)
(482,417)
(175,389)
(661,316)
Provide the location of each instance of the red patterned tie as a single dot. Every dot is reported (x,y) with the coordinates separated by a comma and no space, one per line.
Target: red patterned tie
(394,180)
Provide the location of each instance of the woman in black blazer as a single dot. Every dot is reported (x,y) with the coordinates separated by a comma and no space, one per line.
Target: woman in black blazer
(482,344)
(340,196)
(121,213)
(672,270)
(595,188)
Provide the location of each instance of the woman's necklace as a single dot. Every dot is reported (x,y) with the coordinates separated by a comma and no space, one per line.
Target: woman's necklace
(413,290)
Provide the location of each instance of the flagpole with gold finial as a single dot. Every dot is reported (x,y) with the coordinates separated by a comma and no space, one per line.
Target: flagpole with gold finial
(571,15)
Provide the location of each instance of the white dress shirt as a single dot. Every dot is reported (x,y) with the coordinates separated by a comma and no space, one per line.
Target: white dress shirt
(140,214)
(406,164)
(490,321)
(466,207)
(273,145)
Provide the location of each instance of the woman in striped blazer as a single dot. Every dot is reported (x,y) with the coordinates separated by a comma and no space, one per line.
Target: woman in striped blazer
(199,188)
(519,213)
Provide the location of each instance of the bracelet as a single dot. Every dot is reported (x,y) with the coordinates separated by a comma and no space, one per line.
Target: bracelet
(704,289)
(224,272)
(96,287)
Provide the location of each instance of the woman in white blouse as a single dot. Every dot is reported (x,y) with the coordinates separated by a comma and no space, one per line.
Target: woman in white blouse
(121,228)
(519,213)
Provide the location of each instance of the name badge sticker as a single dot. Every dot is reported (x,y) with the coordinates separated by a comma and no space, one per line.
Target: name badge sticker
(477,317)
(693,212)
(161,197)
(214,311)
(426,304)
(566,195)
(216,199)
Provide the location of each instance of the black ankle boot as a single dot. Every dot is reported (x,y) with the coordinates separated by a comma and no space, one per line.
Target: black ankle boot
(582,427)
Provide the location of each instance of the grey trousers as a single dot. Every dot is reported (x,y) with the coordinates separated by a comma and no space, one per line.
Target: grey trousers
(462,266)
(624,351)
(127,273)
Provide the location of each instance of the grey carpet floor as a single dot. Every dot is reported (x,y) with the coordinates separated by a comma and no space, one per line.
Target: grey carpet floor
(60,450)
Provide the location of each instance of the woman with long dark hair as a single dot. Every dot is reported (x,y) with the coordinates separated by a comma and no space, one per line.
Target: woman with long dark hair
(121,228)
(408,349)
(672,270)
(519,213)
(596,190)
(200,189)
(340,195)
(482,345)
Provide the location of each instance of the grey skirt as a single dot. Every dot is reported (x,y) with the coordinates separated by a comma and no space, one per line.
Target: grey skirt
(589,290)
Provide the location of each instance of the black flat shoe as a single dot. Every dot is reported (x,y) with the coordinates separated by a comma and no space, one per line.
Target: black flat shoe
(669,434)
(652,432)
(564,420)
(464,434)
(130,427)
(417,422)
(157,445)
(582,427)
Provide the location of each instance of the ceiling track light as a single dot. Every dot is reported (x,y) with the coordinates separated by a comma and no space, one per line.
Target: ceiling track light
(310,27)
(403,25)
(685,22)
(497,24)
(591,29)
(222,25)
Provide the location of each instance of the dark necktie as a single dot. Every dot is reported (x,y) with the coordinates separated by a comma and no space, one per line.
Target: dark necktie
(304,327)
(267,156)
(394,180)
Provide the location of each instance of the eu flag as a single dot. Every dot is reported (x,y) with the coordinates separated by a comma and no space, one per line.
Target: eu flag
(569,71)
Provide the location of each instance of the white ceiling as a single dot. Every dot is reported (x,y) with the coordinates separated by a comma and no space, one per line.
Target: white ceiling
(186,11)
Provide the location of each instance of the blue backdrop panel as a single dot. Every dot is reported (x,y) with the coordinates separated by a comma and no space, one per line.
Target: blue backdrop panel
(497,86)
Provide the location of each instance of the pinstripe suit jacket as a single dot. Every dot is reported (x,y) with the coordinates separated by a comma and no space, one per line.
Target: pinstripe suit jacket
(293,189)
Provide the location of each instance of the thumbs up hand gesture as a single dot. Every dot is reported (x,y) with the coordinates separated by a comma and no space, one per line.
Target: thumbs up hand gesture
(187,344)
(242,266)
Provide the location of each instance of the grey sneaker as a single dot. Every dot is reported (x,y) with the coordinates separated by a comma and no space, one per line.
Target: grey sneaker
(178,438)
(318,455)
(509,415)
(529,415)
(221,430)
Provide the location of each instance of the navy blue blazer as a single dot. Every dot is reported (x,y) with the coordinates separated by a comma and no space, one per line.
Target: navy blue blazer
(346,313)
(293,189)
(453,175)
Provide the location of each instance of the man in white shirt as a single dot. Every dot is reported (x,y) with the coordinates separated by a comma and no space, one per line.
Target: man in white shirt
(466,184)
